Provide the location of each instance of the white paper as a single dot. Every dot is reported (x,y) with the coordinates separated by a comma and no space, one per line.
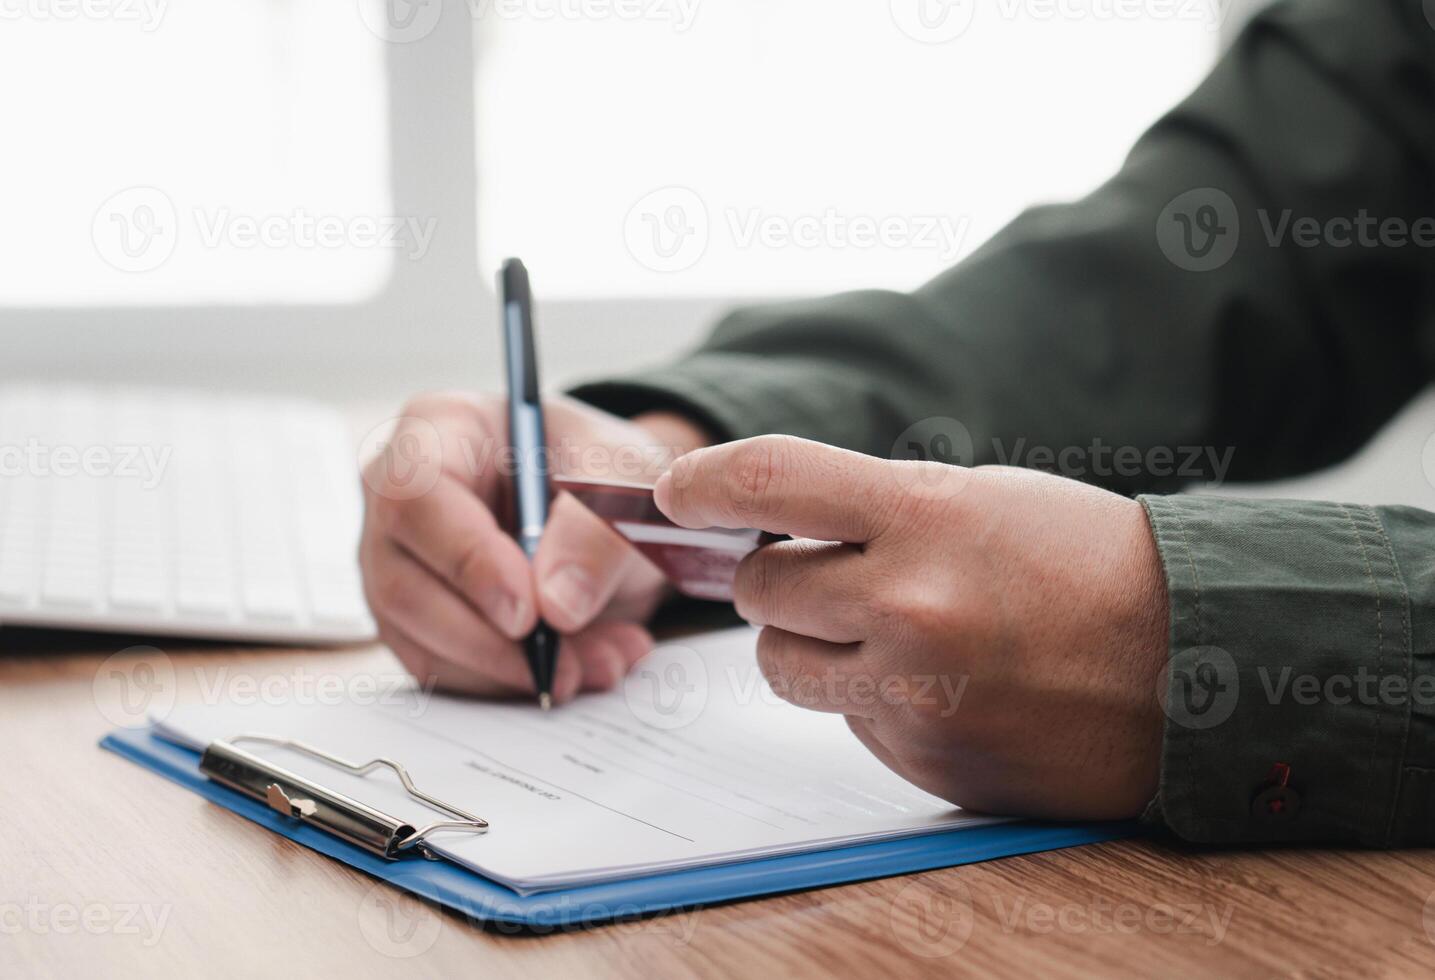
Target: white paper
(692,762)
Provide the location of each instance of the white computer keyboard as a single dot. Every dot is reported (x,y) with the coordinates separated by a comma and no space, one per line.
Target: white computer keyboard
(180,513)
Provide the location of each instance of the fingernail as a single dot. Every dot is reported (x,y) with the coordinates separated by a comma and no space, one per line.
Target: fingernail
(571,589)
(509,612)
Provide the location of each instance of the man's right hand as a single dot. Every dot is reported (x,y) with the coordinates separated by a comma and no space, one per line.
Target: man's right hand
(452,591)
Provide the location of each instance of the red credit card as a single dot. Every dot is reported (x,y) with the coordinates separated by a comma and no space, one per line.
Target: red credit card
(700,563)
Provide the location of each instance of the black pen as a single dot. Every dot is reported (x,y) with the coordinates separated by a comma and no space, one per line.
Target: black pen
(530,458)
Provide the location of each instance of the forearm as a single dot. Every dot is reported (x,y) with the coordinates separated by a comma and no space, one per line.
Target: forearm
(1073,327)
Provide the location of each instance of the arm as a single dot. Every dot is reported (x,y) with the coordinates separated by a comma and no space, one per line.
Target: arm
(1009,640)
(1299,694)
(1073,324)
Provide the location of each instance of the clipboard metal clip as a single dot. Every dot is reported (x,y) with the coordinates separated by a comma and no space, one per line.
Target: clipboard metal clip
(299,798)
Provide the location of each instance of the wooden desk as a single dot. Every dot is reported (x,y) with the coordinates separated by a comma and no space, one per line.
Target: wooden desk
(109,870)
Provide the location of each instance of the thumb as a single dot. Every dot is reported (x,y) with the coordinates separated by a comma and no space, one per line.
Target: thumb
(780,484)
(580,563)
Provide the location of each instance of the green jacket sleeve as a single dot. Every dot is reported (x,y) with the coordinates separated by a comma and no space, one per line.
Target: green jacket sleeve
(1249,297)
(1120,320)
(1300,702)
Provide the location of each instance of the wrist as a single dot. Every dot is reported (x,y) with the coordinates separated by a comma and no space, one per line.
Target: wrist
(1150,617)
(1147,620)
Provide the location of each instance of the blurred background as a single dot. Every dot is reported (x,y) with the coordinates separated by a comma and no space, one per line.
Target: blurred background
(313,198)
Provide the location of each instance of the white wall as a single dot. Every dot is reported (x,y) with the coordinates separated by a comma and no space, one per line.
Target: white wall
(432,324)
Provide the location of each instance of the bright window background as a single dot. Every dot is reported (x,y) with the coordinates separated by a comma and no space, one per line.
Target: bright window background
(220,111)
(764,112)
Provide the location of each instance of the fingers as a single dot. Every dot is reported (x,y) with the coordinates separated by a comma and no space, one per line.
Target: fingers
(866,733)
(780,484)
(411,598)
(429,668)
(457,538)
(436,633)
(596,659)
(455,593)
(437,433)
(580,564)
(606,651)
(815,674)
(816,588)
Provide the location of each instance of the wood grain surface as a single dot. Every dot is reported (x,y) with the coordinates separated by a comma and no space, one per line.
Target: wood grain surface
(107,870)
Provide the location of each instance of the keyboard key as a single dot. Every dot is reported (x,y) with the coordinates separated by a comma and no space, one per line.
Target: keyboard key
(277,602)
(17,579)
(72,585)
(212,600)
(141,593)
(340,607)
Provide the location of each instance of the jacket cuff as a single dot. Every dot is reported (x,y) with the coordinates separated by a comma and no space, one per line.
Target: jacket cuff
(821,369)
(1291,688)
(688,390)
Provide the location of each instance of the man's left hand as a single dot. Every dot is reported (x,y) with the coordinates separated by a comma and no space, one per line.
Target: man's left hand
(994,635)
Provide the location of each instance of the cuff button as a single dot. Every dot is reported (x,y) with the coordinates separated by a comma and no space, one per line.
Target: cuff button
(1275,803)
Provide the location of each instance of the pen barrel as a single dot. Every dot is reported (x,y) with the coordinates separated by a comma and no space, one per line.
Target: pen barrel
(530,471)
(529,449)
(540,649)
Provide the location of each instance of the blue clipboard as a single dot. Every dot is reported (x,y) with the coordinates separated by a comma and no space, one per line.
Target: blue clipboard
(483,900)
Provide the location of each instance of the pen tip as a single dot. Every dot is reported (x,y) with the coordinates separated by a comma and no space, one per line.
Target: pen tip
(545,700)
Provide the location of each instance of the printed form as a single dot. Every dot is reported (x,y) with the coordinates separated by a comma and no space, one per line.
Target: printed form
(693,761)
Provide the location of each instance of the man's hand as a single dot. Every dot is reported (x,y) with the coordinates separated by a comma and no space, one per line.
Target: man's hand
(993,635)
(453,592)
